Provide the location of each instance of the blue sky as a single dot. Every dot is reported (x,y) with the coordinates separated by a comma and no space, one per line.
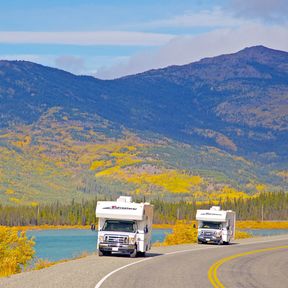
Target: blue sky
(109,39)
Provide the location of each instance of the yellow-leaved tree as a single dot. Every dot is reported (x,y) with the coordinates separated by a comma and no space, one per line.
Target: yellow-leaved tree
(16,250)
(183,232)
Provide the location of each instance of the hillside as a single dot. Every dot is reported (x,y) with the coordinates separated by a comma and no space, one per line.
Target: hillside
(196,130)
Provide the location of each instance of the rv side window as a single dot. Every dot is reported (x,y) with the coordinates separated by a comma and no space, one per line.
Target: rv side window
(119,226)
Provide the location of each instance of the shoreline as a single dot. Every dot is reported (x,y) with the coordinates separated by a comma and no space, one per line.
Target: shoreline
(65,227)
(249,224)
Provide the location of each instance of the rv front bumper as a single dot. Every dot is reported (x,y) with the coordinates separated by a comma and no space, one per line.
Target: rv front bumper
(210,239)
(117,247)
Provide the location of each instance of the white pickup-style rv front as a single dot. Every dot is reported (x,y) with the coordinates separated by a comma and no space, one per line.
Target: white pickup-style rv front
(124,226)
(216,225)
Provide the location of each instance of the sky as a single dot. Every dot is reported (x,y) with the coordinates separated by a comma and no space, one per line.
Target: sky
(112,38)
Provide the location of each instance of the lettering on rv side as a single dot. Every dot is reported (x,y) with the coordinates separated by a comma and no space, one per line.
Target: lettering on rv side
(209,213)
(119,208)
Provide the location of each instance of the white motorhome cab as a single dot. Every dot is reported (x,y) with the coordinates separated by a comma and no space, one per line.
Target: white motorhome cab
(215,225)
(124,227)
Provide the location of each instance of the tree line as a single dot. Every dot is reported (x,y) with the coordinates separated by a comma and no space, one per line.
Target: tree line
(266,206)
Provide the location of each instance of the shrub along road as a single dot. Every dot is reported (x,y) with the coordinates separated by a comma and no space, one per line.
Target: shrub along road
(182,266)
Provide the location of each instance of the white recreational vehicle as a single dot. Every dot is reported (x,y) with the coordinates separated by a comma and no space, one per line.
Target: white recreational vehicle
(215,225)
(124,227)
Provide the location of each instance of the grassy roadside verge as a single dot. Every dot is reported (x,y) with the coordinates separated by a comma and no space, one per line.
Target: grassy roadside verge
(44,263)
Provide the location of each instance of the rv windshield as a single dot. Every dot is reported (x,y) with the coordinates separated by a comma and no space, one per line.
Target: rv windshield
(211,225)
(119,226)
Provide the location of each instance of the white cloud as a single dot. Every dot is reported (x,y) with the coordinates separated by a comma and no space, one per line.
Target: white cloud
(85,38)
(215,17)
(79,65)
(267,10)
(73,64)
(186,49)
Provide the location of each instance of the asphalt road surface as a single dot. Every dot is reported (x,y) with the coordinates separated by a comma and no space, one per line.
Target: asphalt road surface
(258,262)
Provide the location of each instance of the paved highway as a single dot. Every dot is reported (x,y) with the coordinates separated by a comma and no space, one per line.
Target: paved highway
(257,262)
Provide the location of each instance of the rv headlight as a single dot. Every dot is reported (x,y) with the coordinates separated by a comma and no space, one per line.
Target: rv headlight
(132,239)
(101,238)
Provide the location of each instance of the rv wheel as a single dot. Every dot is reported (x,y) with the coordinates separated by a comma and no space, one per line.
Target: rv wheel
(134,253)
(221,242)
(141,254)
(104,253)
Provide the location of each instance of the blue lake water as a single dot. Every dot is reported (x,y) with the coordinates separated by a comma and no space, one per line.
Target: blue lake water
(55,245)
(266,232)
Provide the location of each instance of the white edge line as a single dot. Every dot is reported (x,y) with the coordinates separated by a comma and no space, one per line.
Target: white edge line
(98,285)
(196,248)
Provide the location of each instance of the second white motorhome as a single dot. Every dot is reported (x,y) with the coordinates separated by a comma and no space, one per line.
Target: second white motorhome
(124,227)
(216,225)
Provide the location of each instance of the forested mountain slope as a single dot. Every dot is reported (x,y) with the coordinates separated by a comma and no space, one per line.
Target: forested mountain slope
(212,125)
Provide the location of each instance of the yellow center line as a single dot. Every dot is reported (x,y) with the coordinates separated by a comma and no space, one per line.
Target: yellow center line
(212,273)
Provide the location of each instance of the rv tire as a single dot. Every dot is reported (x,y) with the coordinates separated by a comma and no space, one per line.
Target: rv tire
(221,242)
(141,254)
(134,253)
(103,253)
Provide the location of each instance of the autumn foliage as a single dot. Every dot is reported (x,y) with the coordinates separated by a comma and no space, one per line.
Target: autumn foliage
(183,232)
(16,250)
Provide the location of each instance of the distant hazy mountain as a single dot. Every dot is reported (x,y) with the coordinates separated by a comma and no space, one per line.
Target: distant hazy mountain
(236,102)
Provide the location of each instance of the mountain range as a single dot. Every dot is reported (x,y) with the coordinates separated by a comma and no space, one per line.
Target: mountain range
(222,119)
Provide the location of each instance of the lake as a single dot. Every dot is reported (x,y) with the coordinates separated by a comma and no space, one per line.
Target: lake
(55,245)
(266,232)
